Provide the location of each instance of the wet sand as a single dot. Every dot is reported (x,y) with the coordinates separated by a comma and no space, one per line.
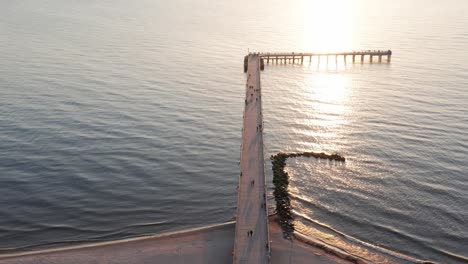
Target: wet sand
(296,251)
(212,244)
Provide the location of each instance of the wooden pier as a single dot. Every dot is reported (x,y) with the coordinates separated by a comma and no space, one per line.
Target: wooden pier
(251,242)
(301,58)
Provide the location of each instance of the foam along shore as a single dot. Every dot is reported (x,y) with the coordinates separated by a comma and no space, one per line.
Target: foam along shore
(211,244)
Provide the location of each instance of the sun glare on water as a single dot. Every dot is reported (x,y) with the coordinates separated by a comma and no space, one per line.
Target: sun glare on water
(328,25)
(327,97)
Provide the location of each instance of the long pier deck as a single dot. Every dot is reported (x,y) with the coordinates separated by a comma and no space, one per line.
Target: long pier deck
(292,57)
(251,243)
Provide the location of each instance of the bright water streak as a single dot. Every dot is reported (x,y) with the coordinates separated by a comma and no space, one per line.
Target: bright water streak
(120,119)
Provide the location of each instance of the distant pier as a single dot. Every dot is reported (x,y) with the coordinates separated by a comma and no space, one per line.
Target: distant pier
(301,58)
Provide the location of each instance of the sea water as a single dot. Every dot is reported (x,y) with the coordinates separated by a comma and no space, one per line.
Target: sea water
(119,119)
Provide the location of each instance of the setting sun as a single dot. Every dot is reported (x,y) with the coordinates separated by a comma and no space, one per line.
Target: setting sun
(328,26)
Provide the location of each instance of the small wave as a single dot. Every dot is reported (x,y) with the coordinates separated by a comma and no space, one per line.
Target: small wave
(352,239)
(454,256)
(148,224)
(106,237)
(46,245)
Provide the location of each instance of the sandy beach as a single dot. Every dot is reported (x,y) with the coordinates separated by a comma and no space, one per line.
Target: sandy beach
(211,244)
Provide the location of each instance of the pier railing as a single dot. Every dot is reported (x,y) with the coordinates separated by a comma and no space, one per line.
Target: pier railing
(293,57)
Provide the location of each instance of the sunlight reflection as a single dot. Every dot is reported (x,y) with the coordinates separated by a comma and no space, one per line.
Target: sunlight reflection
(328,26)
(326,99)
(327,93)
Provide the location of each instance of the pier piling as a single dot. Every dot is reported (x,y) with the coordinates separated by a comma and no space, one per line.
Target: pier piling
(286,58)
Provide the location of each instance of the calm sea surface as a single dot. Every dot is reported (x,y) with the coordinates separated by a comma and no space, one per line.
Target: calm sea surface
(123,118)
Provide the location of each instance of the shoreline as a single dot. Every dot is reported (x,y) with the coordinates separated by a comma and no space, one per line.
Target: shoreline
(84,245)
(208,244)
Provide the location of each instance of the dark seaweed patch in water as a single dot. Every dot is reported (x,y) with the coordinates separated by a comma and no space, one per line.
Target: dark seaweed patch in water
(281,182)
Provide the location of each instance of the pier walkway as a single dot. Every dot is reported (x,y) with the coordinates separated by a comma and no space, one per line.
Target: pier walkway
(251,243)
(292,57)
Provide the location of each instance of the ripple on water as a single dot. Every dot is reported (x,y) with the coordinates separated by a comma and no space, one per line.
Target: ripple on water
(111,120)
